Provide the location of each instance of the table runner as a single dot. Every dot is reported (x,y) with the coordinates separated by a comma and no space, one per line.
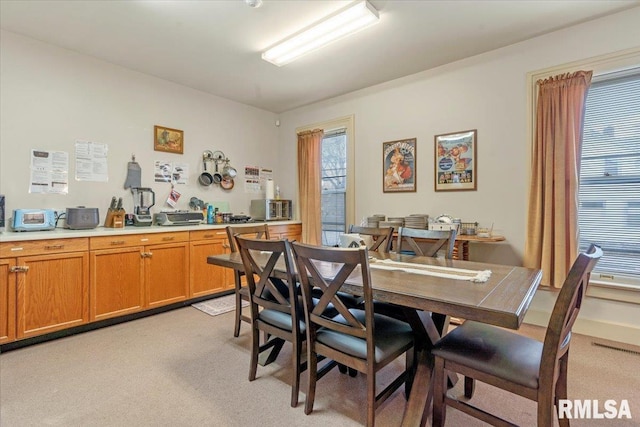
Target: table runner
(445,272)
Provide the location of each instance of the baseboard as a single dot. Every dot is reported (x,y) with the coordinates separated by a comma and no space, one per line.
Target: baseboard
(594,328)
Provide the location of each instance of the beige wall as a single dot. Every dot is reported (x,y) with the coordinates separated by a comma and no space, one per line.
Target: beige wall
(487,92)
(51,97)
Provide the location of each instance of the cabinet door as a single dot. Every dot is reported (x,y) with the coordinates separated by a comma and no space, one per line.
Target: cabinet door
(206,278)
(166,273)
(53,294)
(287,231)
(7,301)
(117,282)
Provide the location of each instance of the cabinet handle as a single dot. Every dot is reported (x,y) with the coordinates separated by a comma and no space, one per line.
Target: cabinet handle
(117,242)
(19,269)
(146,254)
(168,239)
(53,247)
(224,245)
(208,236)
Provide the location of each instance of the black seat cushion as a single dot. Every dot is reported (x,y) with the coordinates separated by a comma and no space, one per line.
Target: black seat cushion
(494,351)
(389,335)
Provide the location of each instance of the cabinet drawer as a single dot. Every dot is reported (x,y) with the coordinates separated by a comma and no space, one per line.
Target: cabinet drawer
(158,238)
(120,241)
(40,247)
(209,234)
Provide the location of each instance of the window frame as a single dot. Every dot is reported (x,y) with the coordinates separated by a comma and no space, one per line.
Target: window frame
(616,62)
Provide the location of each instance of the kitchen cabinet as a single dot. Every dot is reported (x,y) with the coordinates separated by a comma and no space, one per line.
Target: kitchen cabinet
(205,278)
(50,279)
(286,231)
(7,300)
(134,272)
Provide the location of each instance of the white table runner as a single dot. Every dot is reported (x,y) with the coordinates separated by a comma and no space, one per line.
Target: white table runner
(430,270)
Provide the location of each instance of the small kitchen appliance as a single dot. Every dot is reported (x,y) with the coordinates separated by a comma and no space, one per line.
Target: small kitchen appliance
(34,219)
(271,210)
(143,199)
(178,218)
(82,218)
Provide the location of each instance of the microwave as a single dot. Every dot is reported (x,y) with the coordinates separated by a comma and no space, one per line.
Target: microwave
(34,219)
(271,209)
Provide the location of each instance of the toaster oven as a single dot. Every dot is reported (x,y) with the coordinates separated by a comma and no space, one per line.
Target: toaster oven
(271,210)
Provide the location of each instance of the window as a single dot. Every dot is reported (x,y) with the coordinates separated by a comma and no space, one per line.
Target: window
(334,185)
(609,211)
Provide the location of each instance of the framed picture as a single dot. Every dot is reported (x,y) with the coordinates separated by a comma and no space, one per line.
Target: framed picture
(168,140)
(399,166)
(456,161)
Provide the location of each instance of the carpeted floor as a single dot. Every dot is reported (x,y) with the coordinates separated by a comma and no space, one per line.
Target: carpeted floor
(184,368)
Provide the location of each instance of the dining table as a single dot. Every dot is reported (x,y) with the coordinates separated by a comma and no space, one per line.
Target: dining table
(431,290)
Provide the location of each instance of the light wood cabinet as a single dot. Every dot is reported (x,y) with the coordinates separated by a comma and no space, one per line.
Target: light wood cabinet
(286,231)
(54,284)
(45,287)
(205,278)
(136,272)
(7,300)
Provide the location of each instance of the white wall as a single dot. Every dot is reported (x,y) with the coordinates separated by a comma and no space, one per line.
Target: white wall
(487,92)
(51,97)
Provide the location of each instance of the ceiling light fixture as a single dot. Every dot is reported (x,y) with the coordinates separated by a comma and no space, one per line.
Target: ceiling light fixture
(335,26)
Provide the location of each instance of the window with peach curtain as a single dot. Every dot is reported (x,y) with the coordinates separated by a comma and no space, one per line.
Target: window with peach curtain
(552,223)
(309,185)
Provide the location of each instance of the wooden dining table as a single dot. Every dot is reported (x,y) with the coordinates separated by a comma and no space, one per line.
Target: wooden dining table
(502,300)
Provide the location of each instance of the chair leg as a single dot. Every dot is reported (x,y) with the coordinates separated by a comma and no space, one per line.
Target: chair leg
(561,388)
(238,319)
(439,390)
(312,373)
(295,360)
(469,387)
(255,352)
(371,398)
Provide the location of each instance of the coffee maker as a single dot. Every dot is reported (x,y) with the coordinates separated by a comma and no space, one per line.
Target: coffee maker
(143,199)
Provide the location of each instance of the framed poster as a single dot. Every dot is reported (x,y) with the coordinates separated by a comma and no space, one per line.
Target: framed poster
(168,140)
(456,165)
(399,166)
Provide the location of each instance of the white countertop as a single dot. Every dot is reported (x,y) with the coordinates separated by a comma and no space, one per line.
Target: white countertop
(63,233)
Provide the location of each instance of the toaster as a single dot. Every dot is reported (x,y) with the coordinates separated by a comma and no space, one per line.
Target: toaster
(81,218)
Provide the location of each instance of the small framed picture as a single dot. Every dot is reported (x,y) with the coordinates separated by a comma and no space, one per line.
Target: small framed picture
(399,166)
(168,140)
(456,165)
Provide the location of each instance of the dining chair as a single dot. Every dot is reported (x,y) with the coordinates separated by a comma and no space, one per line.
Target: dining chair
(260,231)
(356,338)
(512,362)
(433,241)
(274,304)
(438,241)
(382,237)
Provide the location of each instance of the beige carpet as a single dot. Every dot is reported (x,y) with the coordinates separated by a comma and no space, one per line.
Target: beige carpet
(184,368)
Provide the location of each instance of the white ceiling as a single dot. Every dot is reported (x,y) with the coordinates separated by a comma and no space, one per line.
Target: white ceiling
(215,46)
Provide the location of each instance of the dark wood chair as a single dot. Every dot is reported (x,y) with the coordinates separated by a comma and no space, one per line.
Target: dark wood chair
(241,292)
(512,362)
(274,303)
(356,338)
(428,243)
(382,237)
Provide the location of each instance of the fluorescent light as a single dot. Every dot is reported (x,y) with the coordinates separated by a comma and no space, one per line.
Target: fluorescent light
(333,27)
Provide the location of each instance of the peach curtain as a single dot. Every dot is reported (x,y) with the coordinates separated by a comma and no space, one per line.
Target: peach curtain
(310,185)
(552,223)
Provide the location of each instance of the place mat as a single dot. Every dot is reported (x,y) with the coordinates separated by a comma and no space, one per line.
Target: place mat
(432,270)
(218,305)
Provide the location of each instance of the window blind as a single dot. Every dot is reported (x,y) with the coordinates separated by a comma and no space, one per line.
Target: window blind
(609,196)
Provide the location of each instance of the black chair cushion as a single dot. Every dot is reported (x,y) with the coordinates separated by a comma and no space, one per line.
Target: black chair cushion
(389,336)
(494,351)
(279,319)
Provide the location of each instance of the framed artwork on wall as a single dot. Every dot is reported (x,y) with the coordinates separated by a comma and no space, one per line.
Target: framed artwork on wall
(456,165)
(399,166)
(168,140)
